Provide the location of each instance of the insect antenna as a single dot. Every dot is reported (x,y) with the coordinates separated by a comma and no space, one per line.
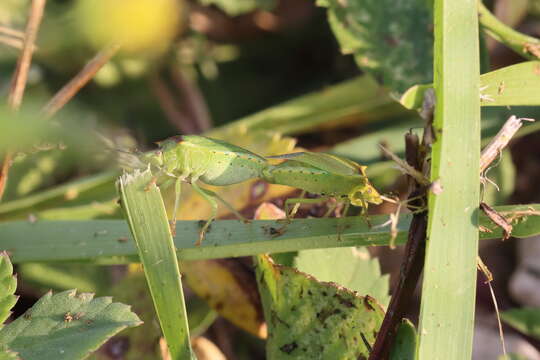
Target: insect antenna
(127,159)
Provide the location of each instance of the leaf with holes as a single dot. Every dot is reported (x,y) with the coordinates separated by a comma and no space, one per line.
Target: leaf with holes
(309,319)
(352,268)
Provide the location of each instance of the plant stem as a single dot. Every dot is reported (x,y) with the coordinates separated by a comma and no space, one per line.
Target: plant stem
(524,45)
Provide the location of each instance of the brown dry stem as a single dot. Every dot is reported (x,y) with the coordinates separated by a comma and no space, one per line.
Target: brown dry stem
(500,141)
(65,94)
(20,76)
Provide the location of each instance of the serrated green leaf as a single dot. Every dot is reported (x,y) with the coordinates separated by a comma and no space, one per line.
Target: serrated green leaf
(239,7)
(8,285)
(352,268)
(66,326)
(526,320)
(391,40)
(308,319)
(404,347)
(84,277)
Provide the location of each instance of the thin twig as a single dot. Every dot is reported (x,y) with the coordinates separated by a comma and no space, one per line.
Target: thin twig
(20,77)
(406,168)
(168,104)
(69,90)
(10,41)
(489,278)
(192,100)
(11,32)
(497,219)
(500,141)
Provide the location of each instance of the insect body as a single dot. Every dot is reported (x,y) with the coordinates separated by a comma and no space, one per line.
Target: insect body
(323,174)
(197,159)
(194,159)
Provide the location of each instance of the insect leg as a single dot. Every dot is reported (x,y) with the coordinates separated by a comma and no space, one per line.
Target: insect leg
(295,208)
(211,200)
(177,193)
(331,208)
(346,209)
(289,202)
(365,214)
(226,203)
(153,181)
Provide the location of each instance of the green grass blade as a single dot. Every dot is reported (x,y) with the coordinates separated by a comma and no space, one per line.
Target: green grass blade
(147,220)
(360,99)
(513,85)
(448,290)
(73,192)
(526,320)
(109,241)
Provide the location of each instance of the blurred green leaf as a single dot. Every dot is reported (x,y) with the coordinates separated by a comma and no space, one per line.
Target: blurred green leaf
(358,100)
(133,289)
(8,285)
(83,191)
(66,326)
(404,347)
(308,319)
(352,268)
(84,277)
(526,320)
(392,40)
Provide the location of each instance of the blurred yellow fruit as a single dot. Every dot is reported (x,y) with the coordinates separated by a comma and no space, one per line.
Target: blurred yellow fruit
(146,26)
